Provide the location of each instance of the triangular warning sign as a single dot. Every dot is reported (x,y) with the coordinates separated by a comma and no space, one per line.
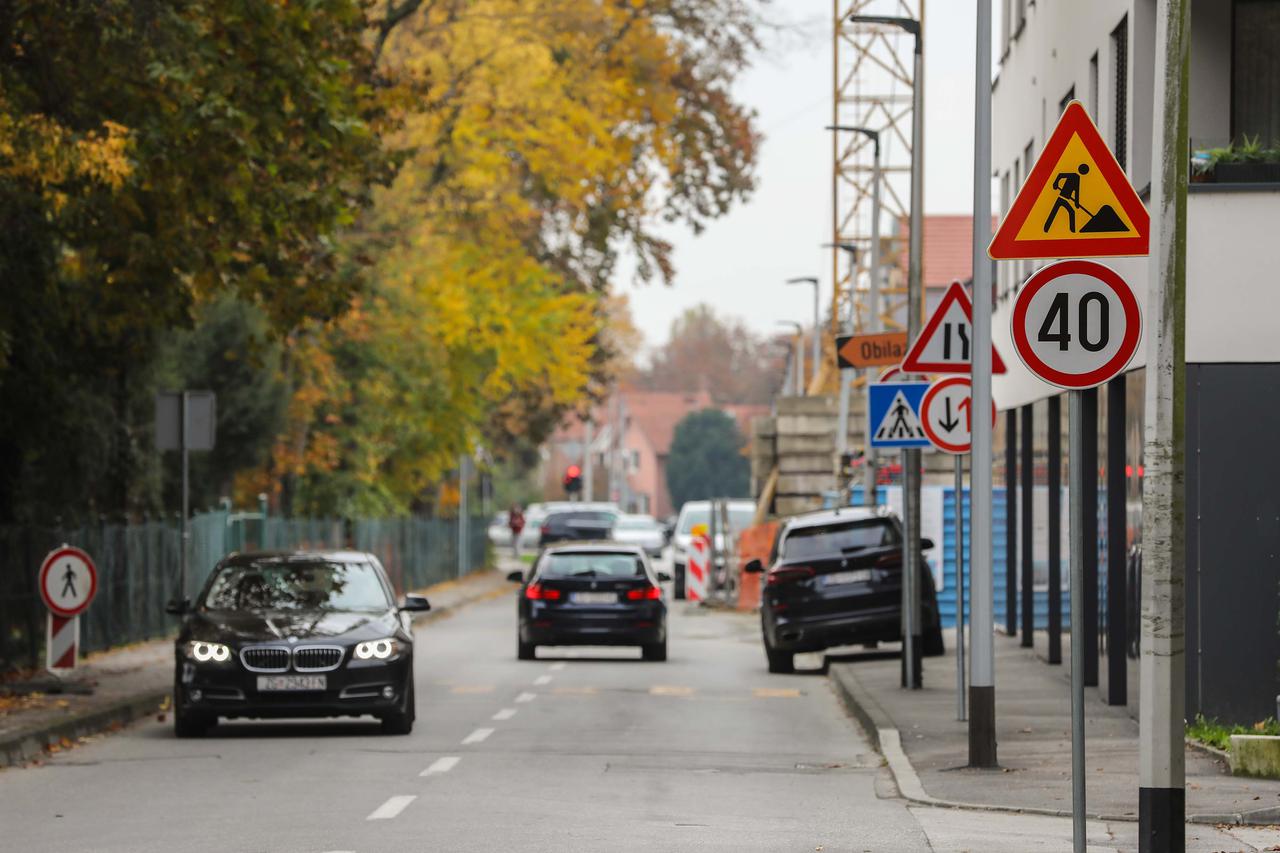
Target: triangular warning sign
(900,422)
(1076,202)
(945,345)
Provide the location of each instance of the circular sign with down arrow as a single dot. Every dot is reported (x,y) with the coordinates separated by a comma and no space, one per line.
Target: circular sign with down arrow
(945,414)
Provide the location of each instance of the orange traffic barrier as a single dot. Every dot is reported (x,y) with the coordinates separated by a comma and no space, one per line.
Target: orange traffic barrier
(754,543)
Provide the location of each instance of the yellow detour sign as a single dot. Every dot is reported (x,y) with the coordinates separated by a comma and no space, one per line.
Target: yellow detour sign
(1076,202)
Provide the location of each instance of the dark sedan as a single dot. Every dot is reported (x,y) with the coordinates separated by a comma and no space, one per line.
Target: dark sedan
(595,595)
(295,635)
(835,579)
(577,525)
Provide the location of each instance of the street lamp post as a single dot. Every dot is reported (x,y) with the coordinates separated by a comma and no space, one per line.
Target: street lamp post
(911,458)
(797,350)
(817,320)
(873,325)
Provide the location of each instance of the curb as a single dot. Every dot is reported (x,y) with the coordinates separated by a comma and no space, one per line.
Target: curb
(32,742)
(886,740)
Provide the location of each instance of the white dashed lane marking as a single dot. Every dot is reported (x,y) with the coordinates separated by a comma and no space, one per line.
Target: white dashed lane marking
(541,680)
(392,807)
(526,697)
(505,714)
(441,765)
(477,736)
(556,667)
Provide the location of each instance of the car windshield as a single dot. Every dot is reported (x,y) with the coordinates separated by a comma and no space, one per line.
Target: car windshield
(636,523)
(829,539)
(318,585)
(580,516)
(592,565)
(740,518)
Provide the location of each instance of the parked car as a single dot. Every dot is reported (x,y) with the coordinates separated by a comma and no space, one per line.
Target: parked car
(834,578)
(591,594)
(296,634)
(642,530)
(499,531)
(578,525)
(741,513)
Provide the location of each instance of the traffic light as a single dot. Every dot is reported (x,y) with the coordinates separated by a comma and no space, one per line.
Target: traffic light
(573,479)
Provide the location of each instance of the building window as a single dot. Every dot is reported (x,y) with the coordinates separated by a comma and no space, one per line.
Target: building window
(1093,86)
(1066,99)
(635,460)
(1255,72)
(1120,68)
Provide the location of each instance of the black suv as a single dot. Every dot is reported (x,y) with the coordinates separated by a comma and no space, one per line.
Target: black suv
(835,579)
(578,525)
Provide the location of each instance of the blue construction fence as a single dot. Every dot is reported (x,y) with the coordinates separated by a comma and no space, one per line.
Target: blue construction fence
(942,559)
(138,566)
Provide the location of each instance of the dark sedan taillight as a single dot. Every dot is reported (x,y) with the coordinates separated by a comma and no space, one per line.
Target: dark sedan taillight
(538,592)
(544,529)
(650,593)
(892,560)
(789,574)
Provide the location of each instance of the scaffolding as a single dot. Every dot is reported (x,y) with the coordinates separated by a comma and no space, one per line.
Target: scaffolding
(872,88)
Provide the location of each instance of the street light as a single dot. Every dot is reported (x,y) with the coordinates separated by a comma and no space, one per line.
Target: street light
(873,308)
(797,354)
(911,458)
(817,320)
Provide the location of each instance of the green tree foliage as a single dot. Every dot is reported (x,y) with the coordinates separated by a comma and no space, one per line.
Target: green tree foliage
(706,459)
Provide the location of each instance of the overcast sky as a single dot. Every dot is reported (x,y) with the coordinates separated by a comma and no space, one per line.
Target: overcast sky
(740,262)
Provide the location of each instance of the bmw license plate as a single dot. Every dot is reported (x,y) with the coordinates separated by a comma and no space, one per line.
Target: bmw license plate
(270,683)
(838,578)
(594,597)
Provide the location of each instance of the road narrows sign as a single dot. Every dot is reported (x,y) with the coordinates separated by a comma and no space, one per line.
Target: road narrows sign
(68,581)
(944,345)
(1076,201)
(946,413)
(893,414)
(1076,324)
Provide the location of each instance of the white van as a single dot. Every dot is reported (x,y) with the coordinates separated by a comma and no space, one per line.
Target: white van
(741,514)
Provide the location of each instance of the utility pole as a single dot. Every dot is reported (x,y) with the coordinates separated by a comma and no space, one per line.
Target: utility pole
(588,461)
(797,356)
(982,705)
(1162,674)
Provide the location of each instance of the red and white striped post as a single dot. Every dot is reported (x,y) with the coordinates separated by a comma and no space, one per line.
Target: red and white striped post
(699,564)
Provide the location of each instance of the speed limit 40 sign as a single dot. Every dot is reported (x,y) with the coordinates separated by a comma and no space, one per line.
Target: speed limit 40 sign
(1076,324)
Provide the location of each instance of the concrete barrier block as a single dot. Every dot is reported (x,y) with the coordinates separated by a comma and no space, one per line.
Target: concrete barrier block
(1255,755)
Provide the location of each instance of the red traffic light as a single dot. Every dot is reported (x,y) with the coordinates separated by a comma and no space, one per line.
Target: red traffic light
(574,471)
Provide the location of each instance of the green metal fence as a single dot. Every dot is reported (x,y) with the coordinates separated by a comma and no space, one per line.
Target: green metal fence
(138,567)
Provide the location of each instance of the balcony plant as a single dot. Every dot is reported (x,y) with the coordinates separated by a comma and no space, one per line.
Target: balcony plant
(1246,163)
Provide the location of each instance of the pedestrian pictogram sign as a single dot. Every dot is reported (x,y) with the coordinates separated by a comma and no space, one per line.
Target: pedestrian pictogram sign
(68,581)
(893,414)
(699,564)
(1076,324)
(875,350)
(944,346)
(1076,201)
(946,414)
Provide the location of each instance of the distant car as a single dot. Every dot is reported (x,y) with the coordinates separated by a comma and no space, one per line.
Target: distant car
(298,634)
(592,594)
(741,513)
(642,530)
(835,579)
(578,525)
(530,537)
(499,530)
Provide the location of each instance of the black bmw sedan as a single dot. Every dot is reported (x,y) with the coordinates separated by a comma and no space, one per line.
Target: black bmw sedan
(295,635)
(835,579)
(593,594)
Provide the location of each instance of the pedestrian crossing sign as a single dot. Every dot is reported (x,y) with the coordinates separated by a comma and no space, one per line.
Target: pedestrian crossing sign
(1076,201)
(893,414)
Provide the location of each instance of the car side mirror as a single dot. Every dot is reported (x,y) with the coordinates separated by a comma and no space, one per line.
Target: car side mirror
(516,576)
(754,567)
(926,544)
(415,604)
(664,577)
(178,606)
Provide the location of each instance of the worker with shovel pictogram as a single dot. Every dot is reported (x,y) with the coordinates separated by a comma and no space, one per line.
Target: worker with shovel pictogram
(1067,185)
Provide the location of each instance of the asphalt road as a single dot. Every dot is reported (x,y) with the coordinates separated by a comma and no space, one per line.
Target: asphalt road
(584,749)
(581,750)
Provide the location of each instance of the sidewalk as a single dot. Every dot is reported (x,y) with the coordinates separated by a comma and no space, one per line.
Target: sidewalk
(927,748)
(134,682)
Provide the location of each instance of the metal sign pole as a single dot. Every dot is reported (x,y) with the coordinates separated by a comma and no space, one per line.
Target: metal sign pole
(869,457)
(1075,416)
(960,697)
